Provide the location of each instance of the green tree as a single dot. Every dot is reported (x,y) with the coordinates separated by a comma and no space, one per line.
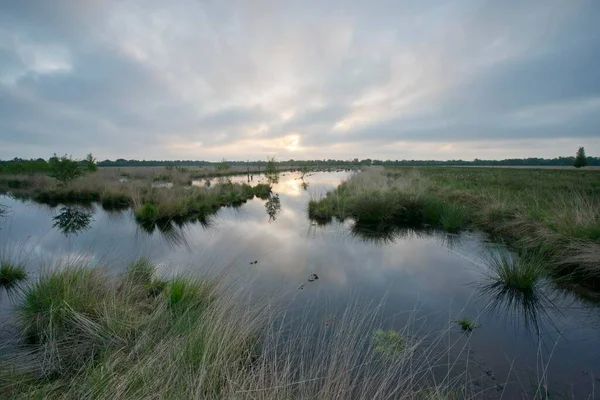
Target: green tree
(91,163)
(223,166)
(64,169)
(580,159)
(271,170)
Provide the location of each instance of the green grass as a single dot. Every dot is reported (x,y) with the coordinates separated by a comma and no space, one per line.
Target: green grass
(516,273)
(162,205)
(93,334)
(11,275)
(147,212)
(513,288)
(450,216)
(77,315)
(551,212)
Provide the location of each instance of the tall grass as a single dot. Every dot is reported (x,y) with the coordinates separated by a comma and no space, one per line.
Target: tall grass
(107,187)
(370,197)
(94,335)
(555,213)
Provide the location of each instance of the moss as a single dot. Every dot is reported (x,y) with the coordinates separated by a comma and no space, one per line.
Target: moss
(466,325)
(388,342)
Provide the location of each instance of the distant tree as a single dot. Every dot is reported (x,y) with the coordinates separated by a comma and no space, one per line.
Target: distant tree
(222,166)
(91,163)
(64,169)
(580,160)
(271,170)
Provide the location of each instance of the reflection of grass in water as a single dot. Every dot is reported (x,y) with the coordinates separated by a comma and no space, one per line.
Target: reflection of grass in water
(11,275)
(385,233)
(515,289)
(374,233)
(171,228)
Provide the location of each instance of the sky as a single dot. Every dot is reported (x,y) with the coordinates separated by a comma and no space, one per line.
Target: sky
(310,79)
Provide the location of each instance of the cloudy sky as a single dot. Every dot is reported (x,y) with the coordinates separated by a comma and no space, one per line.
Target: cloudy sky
(195,79)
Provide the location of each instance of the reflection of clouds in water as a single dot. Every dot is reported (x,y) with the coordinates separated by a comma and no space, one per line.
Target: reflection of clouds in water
(289,186)
(433,269)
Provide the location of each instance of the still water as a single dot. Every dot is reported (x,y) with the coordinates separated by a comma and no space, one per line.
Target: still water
(433,277)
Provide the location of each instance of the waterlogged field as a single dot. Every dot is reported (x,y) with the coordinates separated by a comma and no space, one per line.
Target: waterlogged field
(394,284)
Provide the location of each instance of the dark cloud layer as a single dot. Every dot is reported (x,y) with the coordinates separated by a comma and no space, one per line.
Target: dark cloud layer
(243,79)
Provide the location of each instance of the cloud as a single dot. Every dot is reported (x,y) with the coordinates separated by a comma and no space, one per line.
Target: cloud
(344,79)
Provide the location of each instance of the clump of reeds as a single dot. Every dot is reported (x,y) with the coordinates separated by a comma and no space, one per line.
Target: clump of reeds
(519,273)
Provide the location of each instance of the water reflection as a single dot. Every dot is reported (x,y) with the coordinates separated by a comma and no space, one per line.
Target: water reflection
(414,267)
(385,234)
(273,206)
(304,185)
(172,230)
(533,310)
(376,233)
(72,220)
(516,289)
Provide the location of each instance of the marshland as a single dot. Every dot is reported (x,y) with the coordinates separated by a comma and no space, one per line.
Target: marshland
(300,282)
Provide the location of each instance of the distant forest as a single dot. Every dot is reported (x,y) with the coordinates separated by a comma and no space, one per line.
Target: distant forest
(560,161)
(19,165)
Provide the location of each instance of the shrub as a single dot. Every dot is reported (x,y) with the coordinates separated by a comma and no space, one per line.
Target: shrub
(64,169)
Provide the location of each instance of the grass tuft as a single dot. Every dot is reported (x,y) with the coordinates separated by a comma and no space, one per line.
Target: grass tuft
(516,273)
(147,212)
(141,271)
(11,275)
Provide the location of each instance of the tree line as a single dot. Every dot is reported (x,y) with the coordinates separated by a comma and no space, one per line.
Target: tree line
(20,165)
